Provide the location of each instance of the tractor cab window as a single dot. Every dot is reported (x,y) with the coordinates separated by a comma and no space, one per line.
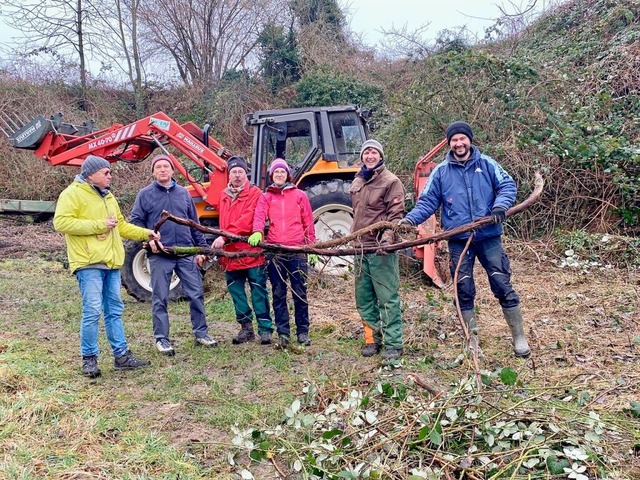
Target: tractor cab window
(348,135)
(289,140)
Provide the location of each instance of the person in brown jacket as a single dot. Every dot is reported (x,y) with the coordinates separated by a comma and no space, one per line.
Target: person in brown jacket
(377,195)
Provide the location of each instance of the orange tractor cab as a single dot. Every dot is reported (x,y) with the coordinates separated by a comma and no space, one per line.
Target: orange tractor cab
(320,144)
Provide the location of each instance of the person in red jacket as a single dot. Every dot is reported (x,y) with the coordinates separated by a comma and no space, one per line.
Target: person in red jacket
(237,204)
(290,223)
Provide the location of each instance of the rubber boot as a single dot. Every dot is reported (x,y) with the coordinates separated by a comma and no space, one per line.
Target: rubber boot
(513,316)
(469,317)
(245,334)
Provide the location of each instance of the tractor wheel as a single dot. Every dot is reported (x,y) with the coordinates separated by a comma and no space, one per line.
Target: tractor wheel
(333,217)
(136,276)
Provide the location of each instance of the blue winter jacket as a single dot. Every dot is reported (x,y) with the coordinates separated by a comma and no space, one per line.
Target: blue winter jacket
(153,199)
(466,191)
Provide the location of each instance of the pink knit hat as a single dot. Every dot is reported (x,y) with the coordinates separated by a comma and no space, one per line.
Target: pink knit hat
(279,163)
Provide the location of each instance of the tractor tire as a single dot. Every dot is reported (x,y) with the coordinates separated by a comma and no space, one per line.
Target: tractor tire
(136,277)
(333,216)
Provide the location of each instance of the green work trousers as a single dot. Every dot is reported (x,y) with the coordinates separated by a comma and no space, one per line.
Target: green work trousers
(377,299)
(257,280)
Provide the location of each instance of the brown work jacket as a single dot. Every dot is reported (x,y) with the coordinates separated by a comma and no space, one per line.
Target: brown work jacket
(379,199)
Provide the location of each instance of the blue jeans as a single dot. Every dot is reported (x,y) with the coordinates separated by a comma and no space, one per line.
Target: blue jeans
(495,262)
(291,267)
(100,290)
(161,271)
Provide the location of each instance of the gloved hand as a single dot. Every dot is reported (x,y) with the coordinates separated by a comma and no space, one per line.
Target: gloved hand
(383,243)
(405,221)
(313,259)
(498,214)
(255,238)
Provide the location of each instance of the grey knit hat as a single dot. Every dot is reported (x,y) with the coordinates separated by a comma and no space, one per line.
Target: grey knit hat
(372,143)
(164,157)
(92,164)
(459,127)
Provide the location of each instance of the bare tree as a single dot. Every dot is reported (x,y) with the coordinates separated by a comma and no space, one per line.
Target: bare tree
(120,46)
(207,38)
(55,26)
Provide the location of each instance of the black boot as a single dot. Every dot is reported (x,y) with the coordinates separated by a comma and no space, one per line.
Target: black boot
(129,362)
(245,334)
(90,366)
(370,349)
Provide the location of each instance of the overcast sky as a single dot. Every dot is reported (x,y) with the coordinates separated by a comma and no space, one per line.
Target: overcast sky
(368,17)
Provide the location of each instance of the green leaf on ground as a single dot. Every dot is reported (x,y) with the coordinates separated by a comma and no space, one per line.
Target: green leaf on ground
(508,376)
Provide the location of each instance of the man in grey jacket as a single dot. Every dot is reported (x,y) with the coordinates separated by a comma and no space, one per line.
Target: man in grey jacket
(165,194)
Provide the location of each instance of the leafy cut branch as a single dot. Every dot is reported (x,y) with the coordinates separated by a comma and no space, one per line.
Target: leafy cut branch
(341,246)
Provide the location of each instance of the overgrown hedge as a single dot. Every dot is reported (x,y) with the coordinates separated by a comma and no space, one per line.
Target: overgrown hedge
(563,98)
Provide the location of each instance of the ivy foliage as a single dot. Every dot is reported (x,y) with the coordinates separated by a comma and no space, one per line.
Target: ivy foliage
(399,430)
(335,89)
(280,60)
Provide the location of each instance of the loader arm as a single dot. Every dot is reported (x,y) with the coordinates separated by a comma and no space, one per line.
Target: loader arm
(428,252)
(64,144)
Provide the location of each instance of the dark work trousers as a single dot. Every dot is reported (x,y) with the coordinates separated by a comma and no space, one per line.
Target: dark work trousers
(496,263)
(162,269)
(290,268)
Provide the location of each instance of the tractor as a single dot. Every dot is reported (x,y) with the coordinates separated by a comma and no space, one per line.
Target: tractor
(320,144)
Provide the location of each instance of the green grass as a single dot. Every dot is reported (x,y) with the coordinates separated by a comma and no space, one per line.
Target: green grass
(178,418)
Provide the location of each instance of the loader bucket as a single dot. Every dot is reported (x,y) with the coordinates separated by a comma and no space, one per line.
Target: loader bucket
(32,134)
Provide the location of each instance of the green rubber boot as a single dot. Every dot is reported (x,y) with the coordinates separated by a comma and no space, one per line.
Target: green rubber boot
(469,317)
(513,316)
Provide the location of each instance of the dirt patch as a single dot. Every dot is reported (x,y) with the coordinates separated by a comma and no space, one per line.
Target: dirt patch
(20,237)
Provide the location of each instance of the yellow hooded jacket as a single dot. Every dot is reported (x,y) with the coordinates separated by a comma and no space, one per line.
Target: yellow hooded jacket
(81,214)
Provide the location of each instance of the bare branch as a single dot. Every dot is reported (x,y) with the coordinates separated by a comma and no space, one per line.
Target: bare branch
(333,247)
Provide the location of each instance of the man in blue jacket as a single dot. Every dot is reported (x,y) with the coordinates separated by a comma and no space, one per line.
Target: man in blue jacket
(165,194)
(469,185)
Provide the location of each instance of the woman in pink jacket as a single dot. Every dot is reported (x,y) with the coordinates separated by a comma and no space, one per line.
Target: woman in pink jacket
(290,223)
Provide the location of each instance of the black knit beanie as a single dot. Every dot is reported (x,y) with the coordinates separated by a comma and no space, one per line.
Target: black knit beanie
(459,127)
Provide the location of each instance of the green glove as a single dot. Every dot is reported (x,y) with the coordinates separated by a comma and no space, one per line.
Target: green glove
(313,259)
(255,238)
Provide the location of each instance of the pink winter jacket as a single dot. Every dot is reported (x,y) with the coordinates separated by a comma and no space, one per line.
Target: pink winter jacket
(289,214)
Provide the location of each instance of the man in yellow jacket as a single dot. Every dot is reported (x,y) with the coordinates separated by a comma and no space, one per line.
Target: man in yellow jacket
(89,216)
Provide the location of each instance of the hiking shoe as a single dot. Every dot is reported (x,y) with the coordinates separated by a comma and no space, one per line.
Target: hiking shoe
(392,354)
(283,340)
(129,362)
(164,347)
(206,341)
(90,366)
(265,338)
(370,349)
(303,339)
(245,334)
